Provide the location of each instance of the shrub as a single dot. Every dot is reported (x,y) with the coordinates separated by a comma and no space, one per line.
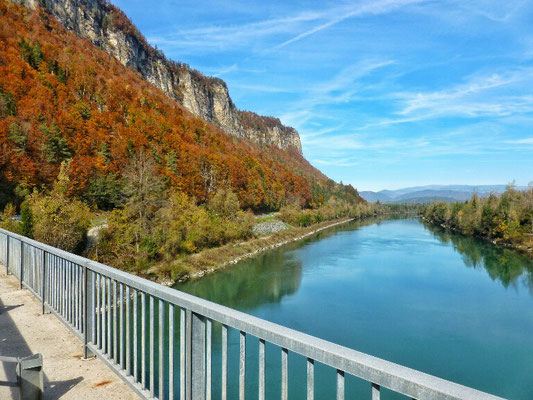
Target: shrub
(26,220)
(290,214)
(225,203)
(305,218)
(57,219)
(8,219)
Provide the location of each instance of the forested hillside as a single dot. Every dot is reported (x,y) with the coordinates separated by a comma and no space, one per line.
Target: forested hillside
(85,140)
(109,28)
(62,98)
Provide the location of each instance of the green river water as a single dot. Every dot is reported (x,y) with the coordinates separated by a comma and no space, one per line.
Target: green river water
(448,305)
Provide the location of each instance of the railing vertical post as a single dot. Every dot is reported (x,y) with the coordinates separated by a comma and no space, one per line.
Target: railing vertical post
(171,351)
(242,365)
(284,374)
(128,328)
(135,336)
(188,352)
(21,262)
(340,385)
(152,346)
(43,281)
(224,362)
(183,355)
(161,331)
(261,369)
(209,360)
(310,379)
(121,325)
(143,340)
(99,311)
(93,313)
(108,314)
(376,389)
(30,370)
(196,355)
(7,254)
(85,314)
(115,330)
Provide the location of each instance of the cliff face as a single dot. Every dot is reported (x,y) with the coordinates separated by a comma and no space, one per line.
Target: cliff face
(208,98)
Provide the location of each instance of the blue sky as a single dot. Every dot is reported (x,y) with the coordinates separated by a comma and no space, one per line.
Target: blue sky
(384,93)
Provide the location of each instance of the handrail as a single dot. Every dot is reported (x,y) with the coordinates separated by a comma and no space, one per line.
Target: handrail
(104,304)
(7,359)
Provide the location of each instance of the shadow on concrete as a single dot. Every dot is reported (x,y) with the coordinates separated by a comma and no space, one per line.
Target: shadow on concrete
(8,383)
(12,344)
(4,309)
(54,390)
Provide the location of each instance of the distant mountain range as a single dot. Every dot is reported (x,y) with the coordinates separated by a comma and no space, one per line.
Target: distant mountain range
(429,193)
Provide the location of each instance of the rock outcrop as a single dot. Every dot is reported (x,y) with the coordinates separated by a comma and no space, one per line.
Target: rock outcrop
(208,98)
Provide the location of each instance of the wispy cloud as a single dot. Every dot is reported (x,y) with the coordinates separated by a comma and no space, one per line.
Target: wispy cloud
(444,84)
(223,36)
(225,70)
(339,89)
(521,141)
(309,133)
(263,88)
(342,14)
(227,36)
(496,12)
(480,96)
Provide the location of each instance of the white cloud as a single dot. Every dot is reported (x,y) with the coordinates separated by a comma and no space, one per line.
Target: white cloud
(493,95)
(220,37)
(342,14)
(521,141)
(263,88)
(223,37)
(340,89)
(496,11)
(226,70)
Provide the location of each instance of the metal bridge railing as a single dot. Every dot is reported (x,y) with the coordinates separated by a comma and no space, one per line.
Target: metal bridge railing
(160,340)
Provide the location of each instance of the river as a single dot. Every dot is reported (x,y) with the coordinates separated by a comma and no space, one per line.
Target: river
(448,305)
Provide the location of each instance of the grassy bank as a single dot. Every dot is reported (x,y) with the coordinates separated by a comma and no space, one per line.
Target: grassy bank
(210,260)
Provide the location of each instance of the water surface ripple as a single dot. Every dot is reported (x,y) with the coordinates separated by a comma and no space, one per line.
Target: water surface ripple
(455,307)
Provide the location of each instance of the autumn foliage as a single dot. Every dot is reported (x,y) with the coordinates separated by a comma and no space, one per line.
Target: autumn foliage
(506,218)
(62,98)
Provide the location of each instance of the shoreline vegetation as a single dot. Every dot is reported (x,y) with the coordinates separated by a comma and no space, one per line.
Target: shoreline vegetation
(505,220)
(162,234)
(215,259)
(218,258)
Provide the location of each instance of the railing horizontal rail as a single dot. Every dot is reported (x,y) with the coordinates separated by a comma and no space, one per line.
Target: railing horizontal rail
(8,359)
(379,372)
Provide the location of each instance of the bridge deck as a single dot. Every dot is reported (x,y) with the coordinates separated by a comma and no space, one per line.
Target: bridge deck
(25,331)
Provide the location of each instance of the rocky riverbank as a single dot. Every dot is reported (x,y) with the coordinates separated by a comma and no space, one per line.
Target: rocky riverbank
(211,260)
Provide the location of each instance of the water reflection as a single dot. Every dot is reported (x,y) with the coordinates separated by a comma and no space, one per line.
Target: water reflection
(506,266)
(378,289)
(264,279)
